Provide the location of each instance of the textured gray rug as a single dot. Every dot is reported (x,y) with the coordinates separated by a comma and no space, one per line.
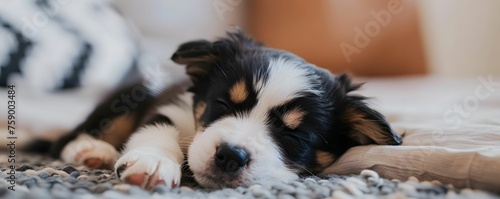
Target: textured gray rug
(41,177)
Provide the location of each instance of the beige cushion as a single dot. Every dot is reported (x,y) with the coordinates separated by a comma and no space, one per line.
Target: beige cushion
(439,144)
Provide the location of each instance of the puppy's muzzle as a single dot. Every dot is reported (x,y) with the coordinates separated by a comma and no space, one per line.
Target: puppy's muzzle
(230,158)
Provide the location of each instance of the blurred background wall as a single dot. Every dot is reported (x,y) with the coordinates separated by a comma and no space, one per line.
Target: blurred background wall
(462,38)
(453,38)
(369,38)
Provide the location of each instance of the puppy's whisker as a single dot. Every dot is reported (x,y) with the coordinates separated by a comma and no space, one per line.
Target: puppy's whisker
(220,68)
(319,134)
(306,170)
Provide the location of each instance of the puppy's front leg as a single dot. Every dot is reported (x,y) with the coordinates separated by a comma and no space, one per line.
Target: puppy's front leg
(151,157)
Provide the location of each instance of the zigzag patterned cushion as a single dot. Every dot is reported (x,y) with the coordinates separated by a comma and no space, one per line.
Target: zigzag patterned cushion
(52,45)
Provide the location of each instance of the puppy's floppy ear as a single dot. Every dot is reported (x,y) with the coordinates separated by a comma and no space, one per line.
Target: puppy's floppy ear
(363,124)
(197,55)
(200,56)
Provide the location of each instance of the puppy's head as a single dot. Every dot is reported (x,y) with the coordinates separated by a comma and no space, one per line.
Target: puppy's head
(264,114)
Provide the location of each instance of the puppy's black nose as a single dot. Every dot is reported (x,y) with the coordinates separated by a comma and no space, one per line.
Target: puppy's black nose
(230,158)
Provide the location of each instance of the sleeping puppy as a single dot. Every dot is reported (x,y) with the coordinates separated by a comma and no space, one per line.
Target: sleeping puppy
(250,114)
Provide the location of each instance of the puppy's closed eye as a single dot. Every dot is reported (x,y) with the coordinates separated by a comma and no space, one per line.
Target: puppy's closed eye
(218,108)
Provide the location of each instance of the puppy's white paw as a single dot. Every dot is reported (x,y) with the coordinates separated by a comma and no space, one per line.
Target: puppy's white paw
(91,152)
(147,167)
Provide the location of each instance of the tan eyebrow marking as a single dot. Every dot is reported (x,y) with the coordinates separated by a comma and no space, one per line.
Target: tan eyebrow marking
(293,118)
(238,93)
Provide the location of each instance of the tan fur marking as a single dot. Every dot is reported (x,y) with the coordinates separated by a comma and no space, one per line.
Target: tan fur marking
(119,131)
(196,69)
(238,92)
(200,127)
(199,110)
(366,130)
(293,118)
(324,159)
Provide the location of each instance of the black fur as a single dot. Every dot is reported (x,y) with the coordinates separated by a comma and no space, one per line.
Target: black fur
(123,104)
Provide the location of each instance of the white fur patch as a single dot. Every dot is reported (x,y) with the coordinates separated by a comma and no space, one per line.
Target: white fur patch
(182,117)
(181,114)
(153,150)
(287,80)
(161,136)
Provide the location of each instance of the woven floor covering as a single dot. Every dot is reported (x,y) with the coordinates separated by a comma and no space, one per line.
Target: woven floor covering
(41,177)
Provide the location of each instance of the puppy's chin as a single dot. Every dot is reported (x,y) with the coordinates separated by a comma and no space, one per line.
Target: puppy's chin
(227,181)
(215,179)
(265,164)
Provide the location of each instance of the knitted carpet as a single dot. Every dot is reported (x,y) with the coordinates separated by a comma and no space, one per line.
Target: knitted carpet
(41,177)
